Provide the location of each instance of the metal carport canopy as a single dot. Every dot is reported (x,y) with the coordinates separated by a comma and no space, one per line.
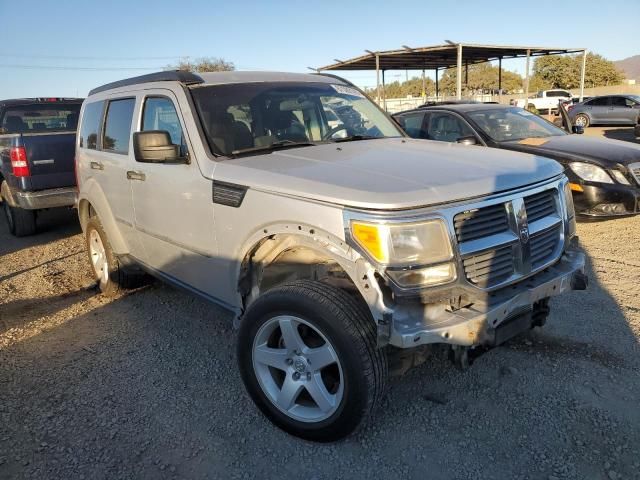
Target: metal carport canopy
(450,55)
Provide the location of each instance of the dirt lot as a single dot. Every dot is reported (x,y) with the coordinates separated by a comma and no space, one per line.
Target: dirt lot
(145,385)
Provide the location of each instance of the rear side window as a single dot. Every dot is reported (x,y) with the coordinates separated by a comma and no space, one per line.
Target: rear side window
(91,125)
(413,124)
(117,125)
(40,118)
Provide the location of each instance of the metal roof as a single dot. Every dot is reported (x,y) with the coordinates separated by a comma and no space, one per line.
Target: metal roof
(441,56)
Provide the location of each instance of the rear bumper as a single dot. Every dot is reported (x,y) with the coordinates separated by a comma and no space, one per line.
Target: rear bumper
(55,197)
(485,321)
(607,200)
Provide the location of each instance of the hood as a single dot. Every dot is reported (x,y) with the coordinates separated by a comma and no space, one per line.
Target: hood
(603,151)
(393,173)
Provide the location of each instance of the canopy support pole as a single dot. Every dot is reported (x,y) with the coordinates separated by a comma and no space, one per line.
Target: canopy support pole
(459,75)
(582,72)
(500,79)
(526,81)
(384,94)
(378,78)
(424,86)
(437,86)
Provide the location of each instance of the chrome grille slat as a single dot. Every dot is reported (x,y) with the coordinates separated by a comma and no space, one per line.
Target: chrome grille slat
(494,248)
(481,223)
(634,168)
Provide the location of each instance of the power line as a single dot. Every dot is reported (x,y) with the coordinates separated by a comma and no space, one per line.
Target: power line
(56,67)
(65,57)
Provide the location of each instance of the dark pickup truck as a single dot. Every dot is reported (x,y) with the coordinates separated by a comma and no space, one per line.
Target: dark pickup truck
(37,149)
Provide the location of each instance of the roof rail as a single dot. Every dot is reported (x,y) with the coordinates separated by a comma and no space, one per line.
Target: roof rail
(181,76)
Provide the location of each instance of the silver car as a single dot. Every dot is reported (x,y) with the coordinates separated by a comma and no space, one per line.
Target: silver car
(609,109)
(329,243)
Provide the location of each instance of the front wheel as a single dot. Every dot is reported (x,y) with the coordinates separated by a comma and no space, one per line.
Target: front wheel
(308,357)
(581,120)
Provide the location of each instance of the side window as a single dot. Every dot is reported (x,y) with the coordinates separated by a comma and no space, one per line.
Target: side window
(599,102)
(117,125)
(160,114)
(413,125)
(622,102)
(446,127)
(91,125)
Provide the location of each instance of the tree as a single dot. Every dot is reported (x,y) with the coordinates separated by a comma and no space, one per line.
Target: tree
(205,64)
(479,78)
(564,71)
(412,87)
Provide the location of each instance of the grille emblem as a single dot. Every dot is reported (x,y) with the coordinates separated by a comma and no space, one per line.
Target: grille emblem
(524,233)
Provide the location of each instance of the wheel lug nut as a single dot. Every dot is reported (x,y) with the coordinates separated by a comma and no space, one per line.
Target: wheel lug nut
(308,375)
(289,361)
(296,376)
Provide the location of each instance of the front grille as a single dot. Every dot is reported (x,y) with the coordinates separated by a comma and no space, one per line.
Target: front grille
(543,246)
(540,205)
(489,268)
(481,223)
(635,171)
(498,246)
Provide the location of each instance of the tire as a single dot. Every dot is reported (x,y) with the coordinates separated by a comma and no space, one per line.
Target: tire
(21,222)
(581,120)
(109,273)
(328,327)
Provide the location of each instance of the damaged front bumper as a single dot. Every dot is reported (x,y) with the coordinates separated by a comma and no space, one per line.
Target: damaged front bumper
(492,317)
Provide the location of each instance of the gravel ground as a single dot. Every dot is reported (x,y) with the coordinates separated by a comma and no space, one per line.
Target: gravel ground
(145,385)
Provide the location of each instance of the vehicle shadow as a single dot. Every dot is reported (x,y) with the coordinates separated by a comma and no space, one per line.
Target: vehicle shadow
(626,134)
(52,225)
(146,386)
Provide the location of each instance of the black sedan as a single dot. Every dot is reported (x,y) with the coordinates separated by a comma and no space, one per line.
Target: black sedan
(604,174)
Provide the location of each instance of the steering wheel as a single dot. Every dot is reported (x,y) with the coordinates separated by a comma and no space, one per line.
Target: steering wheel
(333,131)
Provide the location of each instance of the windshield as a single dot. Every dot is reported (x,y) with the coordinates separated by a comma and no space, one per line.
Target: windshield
(256,116)
(507,124)
(40,118)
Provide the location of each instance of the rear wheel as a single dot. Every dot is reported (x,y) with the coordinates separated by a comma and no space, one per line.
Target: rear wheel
(21,222)
(581,120)
(308,358)
(109,273)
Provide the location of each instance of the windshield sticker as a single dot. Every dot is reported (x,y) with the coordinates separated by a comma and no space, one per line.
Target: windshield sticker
(533,141)
(347,90)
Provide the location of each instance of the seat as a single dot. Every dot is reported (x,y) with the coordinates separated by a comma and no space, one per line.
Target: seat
(284,125)
(14,124)
(447,129)
(229,134)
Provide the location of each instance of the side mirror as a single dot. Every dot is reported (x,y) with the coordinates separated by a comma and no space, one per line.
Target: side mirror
(154,146)
(470,140)
(579,129)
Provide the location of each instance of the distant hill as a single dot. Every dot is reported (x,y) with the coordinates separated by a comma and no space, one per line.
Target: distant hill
(630,66)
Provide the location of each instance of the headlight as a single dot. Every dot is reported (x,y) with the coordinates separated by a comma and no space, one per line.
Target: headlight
(591,173)
(619,176)
(423,246)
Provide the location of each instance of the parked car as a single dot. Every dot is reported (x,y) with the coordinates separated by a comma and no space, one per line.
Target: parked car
(327,249)
(37,145)
(543,100)
(609,109)
(636,130)
(604,174)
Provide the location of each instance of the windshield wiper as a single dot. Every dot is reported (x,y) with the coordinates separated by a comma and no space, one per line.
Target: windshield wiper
(279,145)
(353,138)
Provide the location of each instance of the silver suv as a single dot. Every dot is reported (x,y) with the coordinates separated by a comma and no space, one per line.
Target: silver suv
(342,247)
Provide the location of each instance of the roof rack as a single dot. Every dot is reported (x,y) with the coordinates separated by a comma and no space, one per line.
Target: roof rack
(181,76)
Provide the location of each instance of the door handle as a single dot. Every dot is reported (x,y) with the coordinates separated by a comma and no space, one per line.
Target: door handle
(133,175)
(97,166)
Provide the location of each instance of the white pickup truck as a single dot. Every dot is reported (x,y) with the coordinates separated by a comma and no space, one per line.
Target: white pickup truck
(543,100)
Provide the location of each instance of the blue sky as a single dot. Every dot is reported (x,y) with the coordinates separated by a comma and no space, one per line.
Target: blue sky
(128,38)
